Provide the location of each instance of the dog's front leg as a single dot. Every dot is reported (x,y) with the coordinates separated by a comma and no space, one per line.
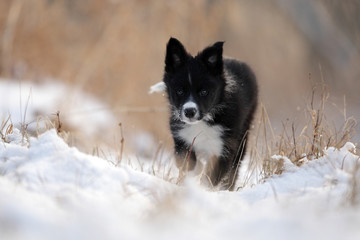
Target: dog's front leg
(185,159)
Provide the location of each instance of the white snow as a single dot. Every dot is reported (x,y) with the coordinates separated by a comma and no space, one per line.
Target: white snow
(25,101)
(52,191)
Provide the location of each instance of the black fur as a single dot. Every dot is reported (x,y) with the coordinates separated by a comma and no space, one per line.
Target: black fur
(223,94)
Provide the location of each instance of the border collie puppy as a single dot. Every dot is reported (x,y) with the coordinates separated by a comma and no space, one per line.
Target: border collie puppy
(213,100)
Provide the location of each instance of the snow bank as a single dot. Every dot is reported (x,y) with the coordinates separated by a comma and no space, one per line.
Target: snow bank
(52,191)
(25,101)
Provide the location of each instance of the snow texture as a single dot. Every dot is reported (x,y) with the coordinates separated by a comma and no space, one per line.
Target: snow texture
(52,191)
(25,101)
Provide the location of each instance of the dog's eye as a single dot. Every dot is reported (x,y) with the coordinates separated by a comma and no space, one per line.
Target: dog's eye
(180,92)
(203,93)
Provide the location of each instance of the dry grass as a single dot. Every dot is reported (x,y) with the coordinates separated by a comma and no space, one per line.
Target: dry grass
(299,146)
(6,128)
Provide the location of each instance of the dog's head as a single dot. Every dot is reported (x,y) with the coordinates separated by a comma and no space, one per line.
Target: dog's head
(195,85)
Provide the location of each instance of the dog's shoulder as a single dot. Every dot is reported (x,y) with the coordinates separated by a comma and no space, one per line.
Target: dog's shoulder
(239,77)
(238,70)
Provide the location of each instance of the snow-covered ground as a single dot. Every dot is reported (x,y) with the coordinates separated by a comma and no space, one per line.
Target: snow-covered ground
(52,191)
(49,190)
(25,101)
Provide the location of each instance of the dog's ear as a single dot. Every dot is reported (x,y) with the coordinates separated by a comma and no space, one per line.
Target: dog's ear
(212,58)
(176,55)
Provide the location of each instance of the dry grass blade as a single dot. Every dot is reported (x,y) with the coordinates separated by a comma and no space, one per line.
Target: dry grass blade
(59,123)
(189,152)
(7,131)
(185,167)
(24,125)
(122,140)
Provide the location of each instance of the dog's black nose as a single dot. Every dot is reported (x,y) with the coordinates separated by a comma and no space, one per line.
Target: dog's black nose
(190,112)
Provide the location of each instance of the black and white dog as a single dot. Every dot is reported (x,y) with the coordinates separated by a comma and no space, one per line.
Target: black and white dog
(213,100)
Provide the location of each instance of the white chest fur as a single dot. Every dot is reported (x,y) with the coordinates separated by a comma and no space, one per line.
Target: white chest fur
(208,138)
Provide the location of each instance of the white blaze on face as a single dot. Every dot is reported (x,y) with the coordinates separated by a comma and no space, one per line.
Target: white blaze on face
(190,104)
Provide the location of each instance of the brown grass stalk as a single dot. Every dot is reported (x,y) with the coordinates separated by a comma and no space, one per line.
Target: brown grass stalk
(122,140)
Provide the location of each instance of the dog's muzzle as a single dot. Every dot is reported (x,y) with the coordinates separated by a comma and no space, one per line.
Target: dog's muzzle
(190,112)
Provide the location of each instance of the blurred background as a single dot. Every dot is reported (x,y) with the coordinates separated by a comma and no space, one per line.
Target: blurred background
(114,50)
